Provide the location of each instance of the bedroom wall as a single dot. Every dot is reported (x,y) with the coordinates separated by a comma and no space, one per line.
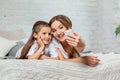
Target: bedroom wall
(103,36)
(94,20)
(24,13)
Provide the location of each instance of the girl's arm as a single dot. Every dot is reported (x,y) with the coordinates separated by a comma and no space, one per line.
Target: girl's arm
(37,54)
(60,56)
(47,57)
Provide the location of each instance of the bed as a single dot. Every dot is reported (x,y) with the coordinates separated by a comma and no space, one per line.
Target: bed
(14,69)
(19,69)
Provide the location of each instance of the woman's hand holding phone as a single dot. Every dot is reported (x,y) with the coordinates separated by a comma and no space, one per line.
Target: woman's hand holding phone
(74,40)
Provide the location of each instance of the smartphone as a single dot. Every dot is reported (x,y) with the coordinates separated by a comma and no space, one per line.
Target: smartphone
(69,32)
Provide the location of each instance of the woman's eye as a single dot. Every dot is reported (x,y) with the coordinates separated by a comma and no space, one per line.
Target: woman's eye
(61,27)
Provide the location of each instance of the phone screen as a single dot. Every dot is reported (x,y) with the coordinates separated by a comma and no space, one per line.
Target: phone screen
(69,32)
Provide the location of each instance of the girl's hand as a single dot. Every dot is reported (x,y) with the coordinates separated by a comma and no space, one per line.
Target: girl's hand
(91,60)
(40,42)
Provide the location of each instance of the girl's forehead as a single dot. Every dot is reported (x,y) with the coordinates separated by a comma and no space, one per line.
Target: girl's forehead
(45,29)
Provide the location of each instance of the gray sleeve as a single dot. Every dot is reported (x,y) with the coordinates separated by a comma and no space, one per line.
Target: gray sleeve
(18,54)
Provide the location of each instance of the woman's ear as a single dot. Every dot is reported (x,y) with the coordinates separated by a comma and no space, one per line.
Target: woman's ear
(68,28)
(35,35)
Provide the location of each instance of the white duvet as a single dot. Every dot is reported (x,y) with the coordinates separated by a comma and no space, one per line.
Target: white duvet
(108,69)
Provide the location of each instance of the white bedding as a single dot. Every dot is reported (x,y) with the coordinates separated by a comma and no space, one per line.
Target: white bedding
(108,69)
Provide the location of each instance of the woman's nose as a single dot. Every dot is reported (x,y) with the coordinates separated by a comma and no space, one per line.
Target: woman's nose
(58,32)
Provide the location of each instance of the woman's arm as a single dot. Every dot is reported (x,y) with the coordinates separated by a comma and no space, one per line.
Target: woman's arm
(60,55)
(80,45)
(88,60)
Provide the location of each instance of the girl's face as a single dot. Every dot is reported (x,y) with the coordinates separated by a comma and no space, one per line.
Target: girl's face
(45,35)
(58,30)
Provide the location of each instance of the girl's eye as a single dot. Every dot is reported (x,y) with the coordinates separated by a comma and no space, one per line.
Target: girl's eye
(53,31)
(44,33)
(49,33)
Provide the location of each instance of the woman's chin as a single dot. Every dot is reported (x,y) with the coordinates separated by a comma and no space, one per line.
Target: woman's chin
(61,40)
(46,43)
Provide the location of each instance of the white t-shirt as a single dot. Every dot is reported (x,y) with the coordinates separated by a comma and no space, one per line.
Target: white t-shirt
(49,50)
(32,50)
(52,50)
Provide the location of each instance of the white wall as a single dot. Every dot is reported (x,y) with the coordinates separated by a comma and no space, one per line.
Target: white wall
(94,20)
(104,35)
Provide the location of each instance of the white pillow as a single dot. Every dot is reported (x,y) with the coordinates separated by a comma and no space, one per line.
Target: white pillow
(12,34)
(5,46)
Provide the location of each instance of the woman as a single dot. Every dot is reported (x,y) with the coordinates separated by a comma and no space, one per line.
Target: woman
(69,45)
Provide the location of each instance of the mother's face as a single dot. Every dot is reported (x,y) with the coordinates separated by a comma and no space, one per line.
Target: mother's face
(58,30)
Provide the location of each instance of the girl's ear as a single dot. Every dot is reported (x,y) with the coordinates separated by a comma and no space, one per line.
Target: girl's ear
(35,35)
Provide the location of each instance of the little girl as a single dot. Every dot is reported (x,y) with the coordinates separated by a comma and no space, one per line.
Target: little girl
(36,46)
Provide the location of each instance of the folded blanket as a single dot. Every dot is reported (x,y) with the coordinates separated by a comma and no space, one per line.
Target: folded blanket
(107,69)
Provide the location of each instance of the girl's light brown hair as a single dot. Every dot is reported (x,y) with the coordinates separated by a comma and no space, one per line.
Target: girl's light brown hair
(36,28)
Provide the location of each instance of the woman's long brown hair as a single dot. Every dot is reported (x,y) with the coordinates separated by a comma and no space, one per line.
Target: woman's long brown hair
(68,24)
(36,28)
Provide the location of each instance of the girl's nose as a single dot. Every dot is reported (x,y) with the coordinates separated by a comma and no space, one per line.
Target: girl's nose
(48,36)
